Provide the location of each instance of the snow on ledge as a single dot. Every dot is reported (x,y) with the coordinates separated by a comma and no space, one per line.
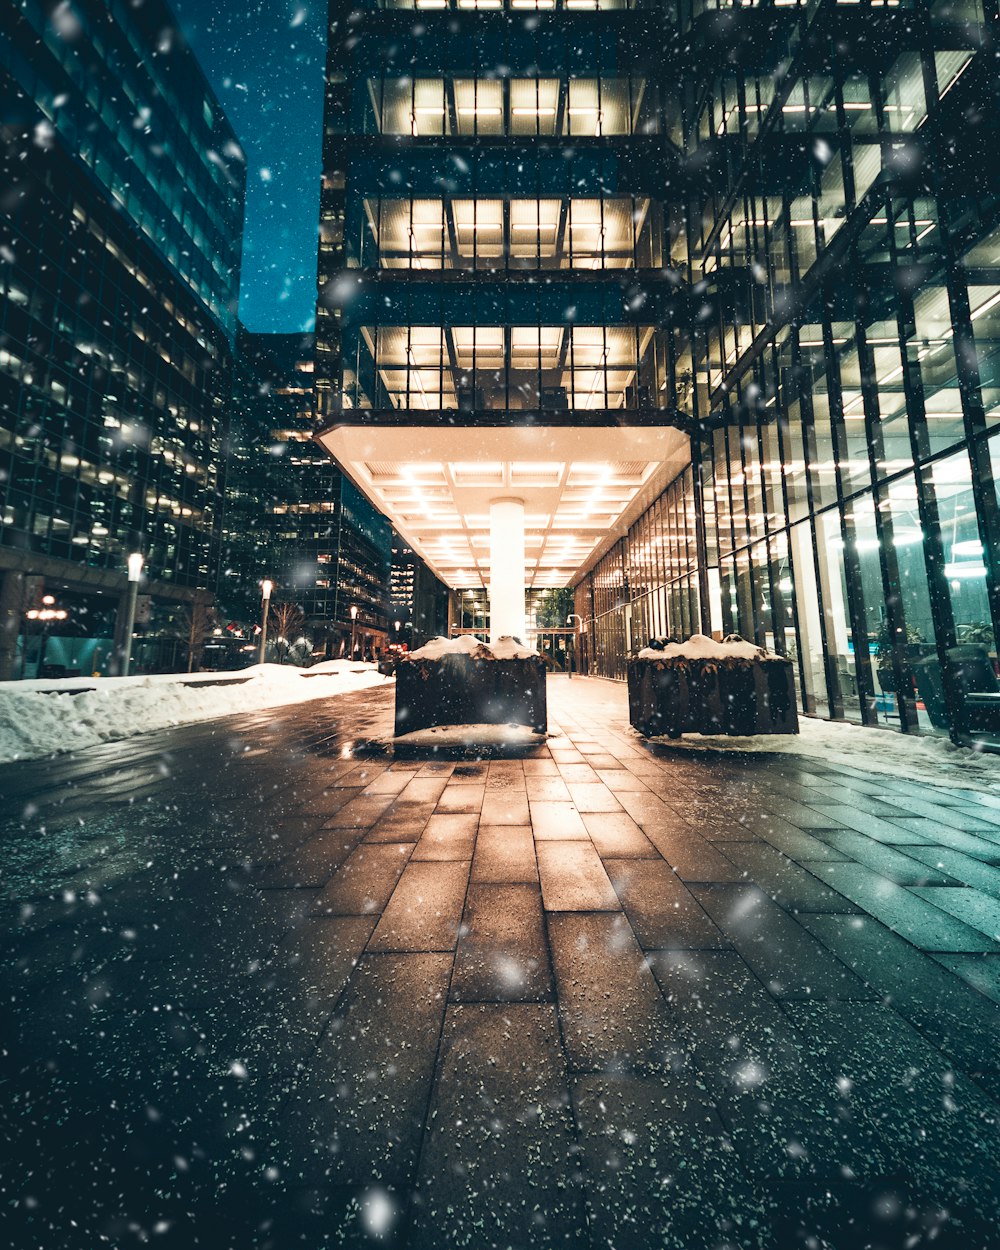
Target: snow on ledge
(39,718)
(701,647)
(505,648)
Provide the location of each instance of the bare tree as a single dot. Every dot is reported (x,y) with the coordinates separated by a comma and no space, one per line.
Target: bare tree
(286,625)
(197,623)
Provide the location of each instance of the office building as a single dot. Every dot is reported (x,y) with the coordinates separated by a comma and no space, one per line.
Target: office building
(120,232)
(690,307)
(291,515)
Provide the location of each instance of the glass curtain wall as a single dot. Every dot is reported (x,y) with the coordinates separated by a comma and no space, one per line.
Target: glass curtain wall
(840,365)
(493,142)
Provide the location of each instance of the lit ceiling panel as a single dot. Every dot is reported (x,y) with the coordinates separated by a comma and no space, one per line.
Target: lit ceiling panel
(581,487)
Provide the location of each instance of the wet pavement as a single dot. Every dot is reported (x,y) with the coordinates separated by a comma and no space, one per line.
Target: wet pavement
(265,985)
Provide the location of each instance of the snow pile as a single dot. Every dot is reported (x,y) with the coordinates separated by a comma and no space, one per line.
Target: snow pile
(505,648)
(701,647)
(437,648)
(932,759)
(35,723)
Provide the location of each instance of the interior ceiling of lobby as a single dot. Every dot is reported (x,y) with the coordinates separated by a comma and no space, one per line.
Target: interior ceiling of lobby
(581,487)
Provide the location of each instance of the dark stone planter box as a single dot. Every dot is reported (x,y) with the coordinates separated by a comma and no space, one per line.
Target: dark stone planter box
(735,697)
(458,690)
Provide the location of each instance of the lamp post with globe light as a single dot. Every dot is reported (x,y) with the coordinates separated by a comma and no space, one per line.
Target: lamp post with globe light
(266,587)
(135,563)
(354,626)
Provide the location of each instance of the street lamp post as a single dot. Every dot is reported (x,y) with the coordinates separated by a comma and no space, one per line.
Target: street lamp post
(576,640)
(135,563)
(266,587)
(354,626)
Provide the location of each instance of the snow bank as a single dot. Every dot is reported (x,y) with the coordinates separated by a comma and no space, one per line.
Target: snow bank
(701,647)
(35,723)
(931,759)
(505,648)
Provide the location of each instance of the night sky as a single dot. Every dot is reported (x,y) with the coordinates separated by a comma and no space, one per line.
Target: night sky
(265,60)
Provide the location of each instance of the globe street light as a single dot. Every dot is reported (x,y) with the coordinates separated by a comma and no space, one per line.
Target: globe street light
(354,625)
(135,563)
(266,587)
(46,615)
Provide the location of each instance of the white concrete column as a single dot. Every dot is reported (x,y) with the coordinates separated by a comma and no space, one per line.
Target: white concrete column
(507,568)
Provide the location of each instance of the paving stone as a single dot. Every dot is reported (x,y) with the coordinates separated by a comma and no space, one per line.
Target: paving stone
(903,867)
(788,884)
(784,1113)
(788,959)
(505,808)
(314,862)
(500,1153)
(502,949)
(547,790)
(425,909)
(504,854)
(365,880)
(357,1115)
(649,808)
(959,867)
(573,878)
(580,774)
(392,781)
(506,776)
(557,822)
(540,768)
(461,798)
(943,1130)
(423,789)
(961,1024)
(660,1170)
(448,835)
(616,834)
(941,814)
(469,774)
(903,911)
(619,780)
(838,816)
(404,821)
(968,843)
(789,839)
(595,797)
(968,905)
(360,813)
(691,857)
(980,971)
(661,910)
(612,1013)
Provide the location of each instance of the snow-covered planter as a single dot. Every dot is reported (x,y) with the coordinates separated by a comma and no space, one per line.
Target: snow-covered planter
(702,686)
(462,681)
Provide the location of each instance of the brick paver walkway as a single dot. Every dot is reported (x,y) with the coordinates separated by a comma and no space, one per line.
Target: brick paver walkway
(267,986)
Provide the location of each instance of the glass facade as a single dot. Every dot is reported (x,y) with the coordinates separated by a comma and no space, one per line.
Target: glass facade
(603,216)
(120,233)
(291,515)
(840,371)
(496,235)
